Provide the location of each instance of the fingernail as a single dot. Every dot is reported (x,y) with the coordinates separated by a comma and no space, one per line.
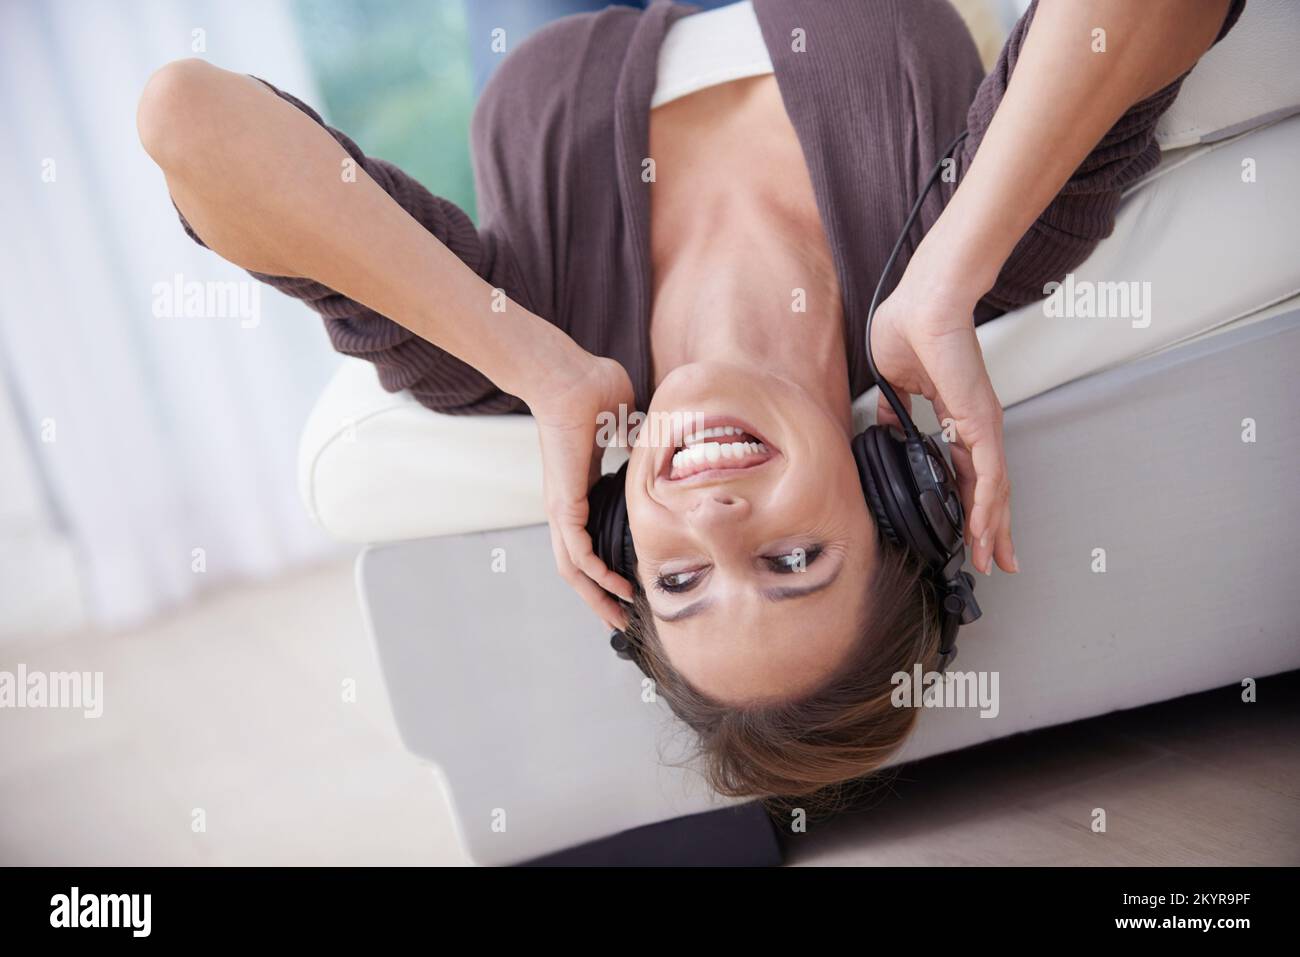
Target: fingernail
(1015,563)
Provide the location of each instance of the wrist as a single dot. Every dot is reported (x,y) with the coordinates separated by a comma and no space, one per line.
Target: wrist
(954,264)
(551,362)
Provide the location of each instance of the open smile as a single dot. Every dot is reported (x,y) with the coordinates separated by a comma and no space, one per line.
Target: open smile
(718,448)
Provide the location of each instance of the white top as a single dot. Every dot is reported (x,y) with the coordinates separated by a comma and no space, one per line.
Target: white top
(710,48)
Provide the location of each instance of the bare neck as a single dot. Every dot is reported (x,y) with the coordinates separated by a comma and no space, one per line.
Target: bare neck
(761,291)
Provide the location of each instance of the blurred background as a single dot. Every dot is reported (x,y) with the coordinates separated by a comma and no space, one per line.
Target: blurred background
(150,523)
(127,441)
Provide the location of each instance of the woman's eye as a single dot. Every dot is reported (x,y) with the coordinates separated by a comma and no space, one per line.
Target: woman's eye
(678,581)
(796,560)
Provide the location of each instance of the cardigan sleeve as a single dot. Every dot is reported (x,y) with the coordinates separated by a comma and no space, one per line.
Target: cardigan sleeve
(437,379)
(1083,213)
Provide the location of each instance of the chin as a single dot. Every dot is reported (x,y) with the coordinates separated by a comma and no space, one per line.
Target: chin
(777,410)
(718,387)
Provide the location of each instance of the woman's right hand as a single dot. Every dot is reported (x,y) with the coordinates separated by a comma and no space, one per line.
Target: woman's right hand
(567,403)
(923,342)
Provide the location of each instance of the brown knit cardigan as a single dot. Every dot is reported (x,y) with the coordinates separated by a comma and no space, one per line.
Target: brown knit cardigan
(874,89)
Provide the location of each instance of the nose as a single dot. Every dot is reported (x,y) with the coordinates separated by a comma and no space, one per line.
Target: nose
(716,510)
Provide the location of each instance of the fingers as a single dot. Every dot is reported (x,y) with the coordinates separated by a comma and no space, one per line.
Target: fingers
(965,469)
(565,488)
(571,453)
(582,568)
(965,395)
(581,554)
(569,519)
(1004,550)
(990,518)
(597,598)
(610,612)
(942,360)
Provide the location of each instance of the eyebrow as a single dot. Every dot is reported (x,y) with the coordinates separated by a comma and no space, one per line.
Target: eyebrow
(690,611)
(786,593)
(771,594)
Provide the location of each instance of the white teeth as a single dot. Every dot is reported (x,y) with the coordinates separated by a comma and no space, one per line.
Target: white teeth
(717,432)
(712,452)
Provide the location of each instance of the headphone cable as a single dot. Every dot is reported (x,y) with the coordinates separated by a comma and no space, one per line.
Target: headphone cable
(909,427)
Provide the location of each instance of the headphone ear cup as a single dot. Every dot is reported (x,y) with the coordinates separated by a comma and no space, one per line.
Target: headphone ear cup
(871,473)
(607,524)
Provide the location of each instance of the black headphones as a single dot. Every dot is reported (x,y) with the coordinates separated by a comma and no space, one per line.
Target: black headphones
(908,483)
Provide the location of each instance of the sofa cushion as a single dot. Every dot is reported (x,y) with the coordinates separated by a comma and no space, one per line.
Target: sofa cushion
(1246,80)
(1213,244)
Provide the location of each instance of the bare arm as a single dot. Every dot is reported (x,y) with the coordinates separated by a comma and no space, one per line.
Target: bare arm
(1062,99)
(263,185)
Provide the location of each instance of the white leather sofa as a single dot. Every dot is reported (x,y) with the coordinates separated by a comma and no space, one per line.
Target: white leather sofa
(1121,436)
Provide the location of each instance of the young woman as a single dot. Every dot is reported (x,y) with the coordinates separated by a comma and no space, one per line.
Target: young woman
(665,232)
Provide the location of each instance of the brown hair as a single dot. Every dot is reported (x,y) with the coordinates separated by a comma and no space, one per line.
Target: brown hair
(813,748)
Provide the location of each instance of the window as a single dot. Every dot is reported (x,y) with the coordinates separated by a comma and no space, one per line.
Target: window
(395,76)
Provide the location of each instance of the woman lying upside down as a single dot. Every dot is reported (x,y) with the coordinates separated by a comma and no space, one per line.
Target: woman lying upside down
(710,250)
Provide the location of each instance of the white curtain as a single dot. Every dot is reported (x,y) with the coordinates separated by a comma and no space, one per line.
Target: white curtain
(166,446)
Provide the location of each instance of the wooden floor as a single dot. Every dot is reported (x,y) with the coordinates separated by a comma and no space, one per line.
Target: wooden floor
(1205,779)
(234,706)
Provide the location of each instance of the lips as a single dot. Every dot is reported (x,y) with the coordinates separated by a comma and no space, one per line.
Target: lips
(715,448)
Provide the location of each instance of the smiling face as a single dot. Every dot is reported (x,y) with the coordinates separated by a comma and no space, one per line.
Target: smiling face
(753,538)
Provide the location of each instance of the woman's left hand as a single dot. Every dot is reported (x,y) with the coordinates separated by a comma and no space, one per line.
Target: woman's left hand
(567,406)
(924,343)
